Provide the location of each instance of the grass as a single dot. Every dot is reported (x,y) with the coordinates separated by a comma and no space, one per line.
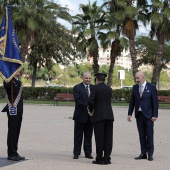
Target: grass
(161,105)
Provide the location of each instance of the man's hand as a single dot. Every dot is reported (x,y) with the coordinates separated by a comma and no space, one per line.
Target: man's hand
(153,119)
(129,118)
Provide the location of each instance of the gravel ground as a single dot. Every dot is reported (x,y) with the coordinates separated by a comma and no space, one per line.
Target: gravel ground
(46,140)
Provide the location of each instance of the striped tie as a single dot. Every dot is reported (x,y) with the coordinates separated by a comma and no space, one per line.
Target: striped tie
(140,90)
(87,89)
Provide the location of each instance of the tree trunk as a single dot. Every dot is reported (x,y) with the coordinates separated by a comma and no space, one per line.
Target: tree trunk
(113,57)
(34,73)
(158,62)
(111,67)
(24,52)
(133,57)
(95,63)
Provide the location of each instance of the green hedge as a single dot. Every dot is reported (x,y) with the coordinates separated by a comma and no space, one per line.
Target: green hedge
(121,94)
(48,93)
(163,92)
(2,92)
(39,93)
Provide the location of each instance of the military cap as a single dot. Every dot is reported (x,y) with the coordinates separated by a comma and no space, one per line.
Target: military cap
(101,75)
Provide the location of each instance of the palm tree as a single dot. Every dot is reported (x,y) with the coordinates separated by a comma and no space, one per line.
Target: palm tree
(160,27)
(112,37)
(85,25)
(130,26)
(127,16)
(147,50)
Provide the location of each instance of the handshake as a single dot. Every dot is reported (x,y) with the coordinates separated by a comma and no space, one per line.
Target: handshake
(89,111)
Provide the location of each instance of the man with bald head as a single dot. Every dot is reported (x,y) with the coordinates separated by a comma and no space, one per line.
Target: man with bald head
(82,125)
(144,100)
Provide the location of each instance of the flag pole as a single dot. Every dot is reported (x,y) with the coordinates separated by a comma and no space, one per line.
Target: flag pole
(12,89)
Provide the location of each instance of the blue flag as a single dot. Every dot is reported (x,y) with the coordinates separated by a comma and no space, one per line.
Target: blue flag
(10,58)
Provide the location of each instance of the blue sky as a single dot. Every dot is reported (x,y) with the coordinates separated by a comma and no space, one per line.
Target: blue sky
(73,5)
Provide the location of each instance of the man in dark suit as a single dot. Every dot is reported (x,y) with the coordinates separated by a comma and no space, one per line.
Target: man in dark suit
(15,95)
(144,100)
(82,124)
(102,119)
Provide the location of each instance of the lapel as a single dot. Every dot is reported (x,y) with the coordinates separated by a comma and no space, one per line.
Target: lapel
(138,92)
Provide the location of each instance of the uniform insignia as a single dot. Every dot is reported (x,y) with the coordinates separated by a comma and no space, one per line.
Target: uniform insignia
(2,46)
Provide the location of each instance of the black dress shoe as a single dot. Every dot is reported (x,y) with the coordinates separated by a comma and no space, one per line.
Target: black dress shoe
(97,162)
(150,158)
(20,157)
(106,162)
(75,157)
(89,156)
(13,158)
(141,156)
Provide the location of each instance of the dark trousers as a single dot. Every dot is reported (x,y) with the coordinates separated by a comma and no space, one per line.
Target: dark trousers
(80,130)
(14,126)
(146,130)
(103,131)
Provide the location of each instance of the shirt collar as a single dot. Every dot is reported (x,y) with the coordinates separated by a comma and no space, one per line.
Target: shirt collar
(86,85)
(144,84)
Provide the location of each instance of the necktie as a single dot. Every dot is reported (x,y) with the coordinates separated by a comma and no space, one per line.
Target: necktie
(87,89)
(140,90)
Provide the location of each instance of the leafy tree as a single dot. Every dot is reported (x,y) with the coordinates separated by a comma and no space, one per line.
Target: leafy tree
(85,25)
(111,36)
(2,10)
(81,68)
(160,28)
(72,72)
(47,49)
(124,18)
(64,78)
(56,70)
(104,69)
(147,50)
(130,26)
(33,17)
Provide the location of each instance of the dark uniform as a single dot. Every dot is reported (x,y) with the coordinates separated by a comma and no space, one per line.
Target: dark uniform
(14,121)
(100,101)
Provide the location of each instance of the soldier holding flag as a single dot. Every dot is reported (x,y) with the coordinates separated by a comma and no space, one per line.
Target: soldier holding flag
(14,113)
(10,67)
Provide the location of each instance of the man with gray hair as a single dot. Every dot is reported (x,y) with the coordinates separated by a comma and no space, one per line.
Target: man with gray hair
(144,100)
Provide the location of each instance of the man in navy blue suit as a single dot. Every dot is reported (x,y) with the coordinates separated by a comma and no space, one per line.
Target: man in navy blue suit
(82,125)
(144,100)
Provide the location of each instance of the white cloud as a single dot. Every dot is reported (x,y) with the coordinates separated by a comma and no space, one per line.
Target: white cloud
(73,6)
(144,30)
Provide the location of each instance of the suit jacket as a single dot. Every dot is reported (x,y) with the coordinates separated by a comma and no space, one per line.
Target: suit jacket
(100,101)
(16,88)
(148,102)
(81,100)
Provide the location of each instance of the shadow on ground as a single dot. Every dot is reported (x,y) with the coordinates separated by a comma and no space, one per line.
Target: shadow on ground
(5,162)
